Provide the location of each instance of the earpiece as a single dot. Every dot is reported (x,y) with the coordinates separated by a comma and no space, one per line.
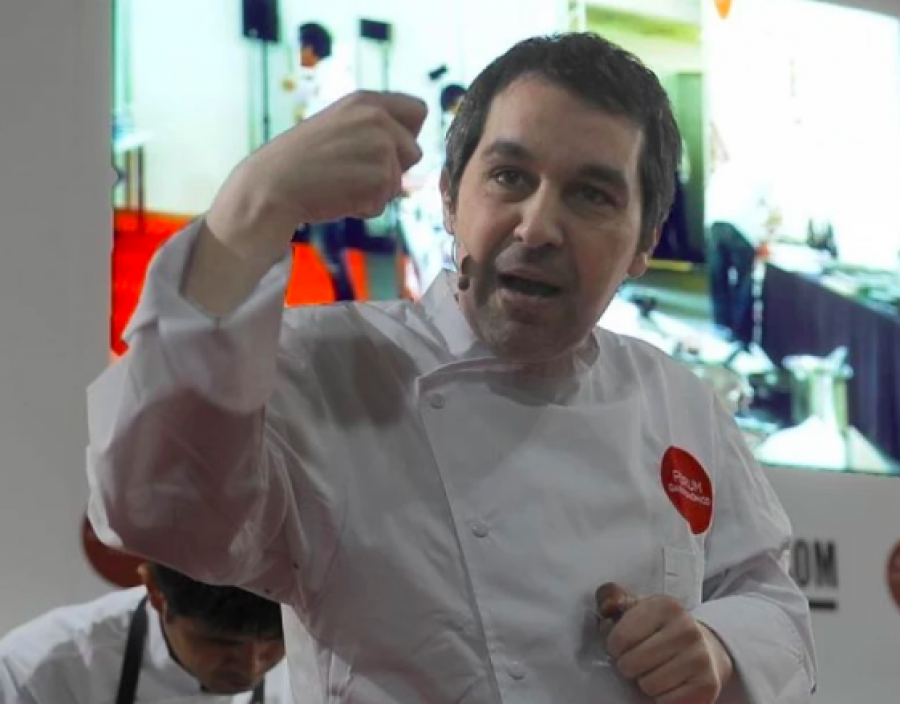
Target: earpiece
(465,271)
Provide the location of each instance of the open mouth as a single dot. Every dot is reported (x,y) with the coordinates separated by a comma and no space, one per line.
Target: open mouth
(528,287)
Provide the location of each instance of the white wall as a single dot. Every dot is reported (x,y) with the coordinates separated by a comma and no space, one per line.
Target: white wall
(55,180)
(826,136)
(488,28)
(857,643)
(192,90)
(200,95)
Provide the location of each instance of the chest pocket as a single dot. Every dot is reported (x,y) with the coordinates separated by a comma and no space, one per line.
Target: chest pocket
(688,499)
(683,570)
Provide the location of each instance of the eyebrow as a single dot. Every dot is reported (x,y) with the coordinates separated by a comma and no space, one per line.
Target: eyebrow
(508,149)
(610,175)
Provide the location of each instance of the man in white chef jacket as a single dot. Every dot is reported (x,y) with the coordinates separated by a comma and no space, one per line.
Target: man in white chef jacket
(174,640)
(321,79)
(437,489)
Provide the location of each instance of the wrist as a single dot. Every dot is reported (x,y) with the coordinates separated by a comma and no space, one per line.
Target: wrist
(249,223)
(242,236)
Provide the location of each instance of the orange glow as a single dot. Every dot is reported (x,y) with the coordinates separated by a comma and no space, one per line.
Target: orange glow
(309,283)
(724,8)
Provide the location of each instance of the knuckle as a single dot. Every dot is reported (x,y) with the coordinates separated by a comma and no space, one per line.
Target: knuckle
(615,645)
(626,668)
(366,210)
(389,189)
(384,147)
(688,638)
(649,686)
(377,207)
(671,604)
(375,117)
(367,114)
(708,692)
(693,632)
(358,97)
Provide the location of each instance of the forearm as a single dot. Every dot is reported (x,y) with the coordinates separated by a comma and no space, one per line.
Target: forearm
(179,466)
(178,480)
(762,620)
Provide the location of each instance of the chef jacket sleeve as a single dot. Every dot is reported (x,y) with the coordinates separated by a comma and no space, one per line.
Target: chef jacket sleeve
(750,600)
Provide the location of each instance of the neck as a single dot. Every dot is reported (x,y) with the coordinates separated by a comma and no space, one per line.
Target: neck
(568,364)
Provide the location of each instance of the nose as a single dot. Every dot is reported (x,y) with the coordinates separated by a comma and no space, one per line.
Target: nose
(256,659)
(541,219)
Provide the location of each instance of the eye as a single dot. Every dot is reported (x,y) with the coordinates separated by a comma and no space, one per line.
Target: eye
(593,195)
(509,178)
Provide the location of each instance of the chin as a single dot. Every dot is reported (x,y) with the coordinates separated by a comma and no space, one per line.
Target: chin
(532,344)
(529,346)
(231,687)
(525,334)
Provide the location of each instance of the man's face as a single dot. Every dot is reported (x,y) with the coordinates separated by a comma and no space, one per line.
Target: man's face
(549,210)
(308,57)
(223,664)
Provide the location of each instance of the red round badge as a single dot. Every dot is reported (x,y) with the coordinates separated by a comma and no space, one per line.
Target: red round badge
(116,567)
(688,487)
(893,574)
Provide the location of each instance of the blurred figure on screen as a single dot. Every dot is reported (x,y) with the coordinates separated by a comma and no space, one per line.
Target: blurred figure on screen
(675,241)
(451,99)
(425,239)
(321,79)
(740,220)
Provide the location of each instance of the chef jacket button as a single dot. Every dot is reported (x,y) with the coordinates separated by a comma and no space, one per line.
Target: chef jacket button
(480,529)
(516,671)
(437,400)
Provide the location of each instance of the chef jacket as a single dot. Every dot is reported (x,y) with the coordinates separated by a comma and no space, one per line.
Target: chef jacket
(436,518)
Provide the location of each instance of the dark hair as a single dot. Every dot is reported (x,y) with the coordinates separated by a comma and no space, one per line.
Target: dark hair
(315,36)
(450,95)
(600,73)
(224,610)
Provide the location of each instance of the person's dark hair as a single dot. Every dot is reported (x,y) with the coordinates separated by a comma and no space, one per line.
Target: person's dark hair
(450,95)
(600,73)
(224,610)
(315,36)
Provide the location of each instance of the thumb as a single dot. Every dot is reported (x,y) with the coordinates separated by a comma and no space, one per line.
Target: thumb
(613,601)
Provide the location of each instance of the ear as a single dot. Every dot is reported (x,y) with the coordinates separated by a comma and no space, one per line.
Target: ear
(447,203)
(641,261)
(154,594)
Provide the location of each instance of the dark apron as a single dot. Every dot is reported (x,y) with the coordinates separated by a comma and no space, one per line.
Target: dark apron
(134,655)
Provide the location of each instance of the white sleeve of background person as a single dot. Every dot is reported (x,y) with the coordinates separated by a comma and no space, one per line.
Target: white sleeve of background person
(750,600)
(333,79)
(178,466)
(38,666)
